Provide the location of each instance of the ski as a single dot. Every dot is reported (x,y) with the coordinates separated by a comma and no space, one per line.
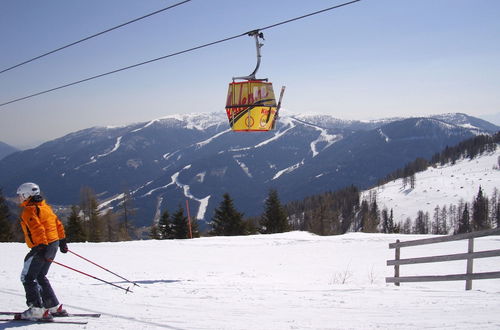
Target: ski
(78,315)
(39,321)
(61,315)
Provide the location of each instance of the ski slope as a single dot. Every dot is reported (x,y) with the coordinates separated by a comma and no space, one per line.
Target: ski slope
(293,280)
(440,186)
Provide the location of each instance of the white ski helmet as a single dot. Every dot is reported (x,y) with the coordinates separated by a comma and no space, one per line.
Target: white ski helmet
(28,189)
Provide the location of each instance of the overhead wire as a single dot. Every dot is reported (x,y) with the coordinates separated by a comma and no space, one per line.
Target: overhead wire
(93,36)
(177,53)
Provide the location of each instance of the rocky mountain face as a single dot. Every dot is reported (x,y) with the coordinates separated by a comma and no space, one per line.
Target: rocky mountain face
(163,162)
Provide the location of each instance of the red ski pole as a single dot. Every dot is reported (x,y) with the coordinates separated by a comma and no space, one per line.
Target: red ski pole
(96,278)
(93,263)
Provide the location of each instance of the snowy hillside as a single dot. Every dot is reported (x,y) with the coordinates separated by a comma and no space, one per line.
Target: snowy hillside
(443,185)
(285,281)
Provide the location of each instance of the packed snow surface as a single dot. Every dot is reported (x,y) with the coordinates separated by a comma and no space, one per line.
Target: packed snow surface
(440,186)
(293,280)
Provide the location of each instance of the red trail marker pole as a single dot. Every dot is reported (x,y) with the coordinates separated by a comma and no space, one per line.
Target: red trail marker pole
(189,219)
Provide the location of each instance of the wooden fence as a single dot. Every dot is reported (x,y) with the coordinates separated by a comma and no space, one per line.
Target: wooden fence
(469,256)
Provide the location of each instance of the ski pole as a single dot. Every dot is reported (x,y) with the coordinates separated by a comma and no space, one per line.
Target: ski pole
(93,263)
(96,278)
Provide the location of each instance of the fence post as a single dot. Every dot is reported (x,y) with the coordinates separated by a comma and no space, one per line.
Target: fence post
(396,267)
(470,260)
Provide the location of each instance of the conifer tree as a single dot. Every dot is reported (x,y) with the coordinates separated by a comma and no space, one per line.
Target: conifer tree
(93,224)
(443,219)
(497,215)
(74,227)
(494,207)
(251,225)
(227,221)
(5,225)
(385,221)
(195,231)
(464,221)
(421,223)
(127,213)
(180,228)
(407,226)
(392,227)
(436,225)
(413,180)
(274,219)
(165,226)
(480,212)
(364,216)
(373,218)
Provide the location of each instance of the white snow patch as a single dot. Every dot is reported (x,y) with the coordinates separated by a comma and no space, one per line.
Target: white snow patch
(117,145)
(281,282)
(382,134)
(94,159)
(207,141)
(243,166)
(145,126)
(288,169)
(109,201)
(173,178)
(324,136)
(288,121)
(200,177)
(186,189)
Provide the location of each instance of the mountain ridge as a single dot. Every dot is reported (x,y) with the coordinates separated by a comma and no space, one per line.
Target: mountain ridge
(196,156)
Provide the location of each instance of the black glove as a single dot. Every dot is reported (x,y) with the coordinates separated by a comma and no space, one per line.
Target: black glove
(40,250)
(63,246)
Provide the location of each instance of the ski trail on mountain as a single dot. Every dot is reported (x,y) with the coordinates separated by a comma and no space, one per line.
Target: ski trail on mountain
(276,136)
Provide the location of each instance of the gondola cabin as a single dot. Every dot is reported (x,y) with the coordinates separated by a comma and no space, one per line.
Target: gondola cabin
(251,106)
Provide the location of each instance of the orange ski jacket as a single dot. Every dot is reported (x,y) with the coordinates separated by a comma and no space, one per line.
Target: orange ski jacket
(39,223)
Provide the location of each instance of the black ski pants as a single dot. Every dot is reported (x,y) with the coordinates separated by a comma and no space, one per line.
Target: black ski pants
(39,293)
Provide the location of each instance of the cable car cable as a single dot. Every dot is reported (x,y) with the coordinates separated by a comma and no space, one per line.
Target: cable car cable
(174,54)
(93,36)
(307,15)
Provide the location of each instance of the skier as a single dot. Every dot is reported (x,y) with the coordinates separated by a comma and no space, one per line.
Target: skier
(43,233)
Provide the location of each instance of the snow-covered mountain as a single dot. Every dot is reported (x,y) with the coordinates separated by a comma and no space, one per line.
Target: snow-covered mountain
(165,161)
(440,186)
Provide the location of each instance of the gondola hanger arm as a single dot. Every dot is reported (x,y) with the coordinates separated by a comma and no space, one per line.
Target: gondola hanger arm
(256,34)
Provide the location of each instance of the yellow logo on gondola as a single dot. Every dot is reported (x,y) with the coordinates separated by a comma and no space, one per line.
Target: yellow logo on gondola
(251,106)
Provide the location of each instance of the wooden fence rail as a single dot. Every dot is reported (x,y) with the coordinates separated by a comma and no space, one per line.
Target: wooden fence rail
(469,256)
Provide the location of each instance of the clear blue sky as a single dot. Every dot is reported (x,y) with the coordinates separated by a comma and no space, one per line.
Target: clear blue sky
(371,59)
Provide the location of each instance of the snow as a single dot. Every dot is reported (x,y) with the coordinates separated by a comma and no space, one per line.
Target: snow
(187,193)
(207,141)
(284,281)
(286,121)
(443,185)
(383,135)
(117,145)
(243,166)
(288,169)
(145,126)
(106,203)
(324,136)
(93,159)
